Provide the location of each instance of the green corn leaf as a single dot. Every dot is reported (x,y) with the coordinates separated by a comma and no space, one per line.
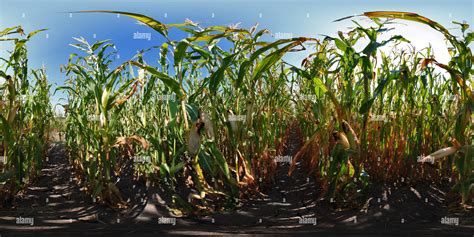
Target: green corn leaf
(154,24)
(167,80)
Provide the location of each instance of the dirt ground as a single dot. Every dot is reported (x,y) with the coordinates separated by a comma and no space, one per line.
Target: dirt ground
(290,206)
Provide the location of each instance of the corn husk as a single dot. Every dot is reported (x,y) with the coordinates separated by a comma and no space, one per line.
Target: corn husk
(194,139)
(208,126)
(439,154)
(341,138)
(121,141)
(233,123)
(351,135)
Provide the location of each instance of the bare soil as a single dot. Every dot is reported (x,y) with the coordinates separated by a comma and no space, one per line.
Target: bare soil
(60,208)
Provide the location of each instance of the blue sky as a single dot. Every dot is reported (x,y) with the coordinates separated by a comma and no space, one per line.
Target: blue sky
(298,18)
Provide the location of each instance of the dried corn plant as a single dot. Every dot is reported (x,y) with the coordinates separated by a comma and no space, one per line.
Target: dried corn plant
(25,114)
(220,105)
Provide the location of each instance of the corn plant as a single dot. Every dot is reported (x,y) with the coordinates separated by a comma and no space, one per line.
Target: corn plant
(459,69)
(202,78)
(386,110)
(25,114)
(216,110)
(96,98)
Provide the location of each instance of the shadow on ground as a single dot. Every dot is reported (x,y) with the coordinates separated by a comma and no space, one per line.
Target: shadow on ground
(291,205)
